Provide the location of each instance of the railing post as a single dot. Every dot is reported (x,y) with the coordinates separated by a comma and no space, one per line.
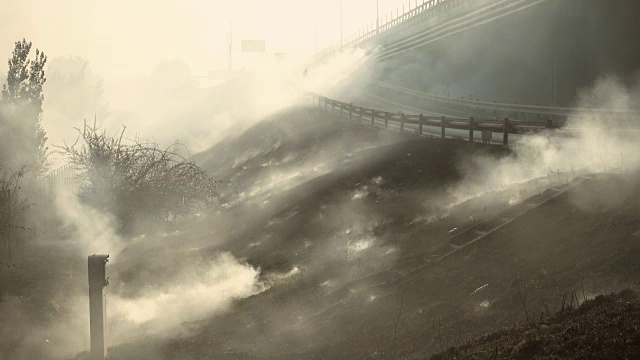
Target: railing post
(505,132)
(401,121)
(386,120)
(471,129)
(420,124)
(443,126)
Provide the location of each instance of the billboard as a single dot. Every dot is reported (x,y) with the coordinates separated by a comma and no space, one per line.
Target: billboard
(253,46)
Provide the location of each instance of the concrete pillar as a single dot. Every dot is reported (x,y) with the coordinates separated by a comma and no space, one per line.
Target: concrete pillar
(505,132)
(97,282)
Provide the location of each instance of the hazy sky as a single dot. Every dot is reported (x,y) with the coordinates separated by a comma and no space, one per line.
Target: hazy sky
(125,37)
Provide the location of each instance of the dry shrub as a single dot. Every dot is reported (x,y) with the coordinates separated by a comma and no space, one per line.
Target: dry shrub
(135,180)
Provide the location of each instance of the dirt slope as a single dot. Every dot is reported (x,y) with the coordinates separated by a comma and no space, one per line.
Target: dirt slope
(358,246)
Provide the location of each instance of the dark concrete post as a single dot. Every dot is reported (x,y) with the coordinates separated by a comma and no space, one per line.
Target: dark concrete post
(401,121)
(505,132)
(420,124)
(471,129)
(386,120)
(443,126)
(549,124)
(97,282)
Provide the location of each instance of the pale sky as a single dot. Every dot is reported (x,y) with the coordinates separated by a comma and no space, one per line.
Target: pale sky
(129,37)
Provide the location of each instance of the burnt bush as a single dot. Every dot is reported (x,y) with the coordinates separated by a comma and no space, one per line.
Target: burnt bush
(135,180)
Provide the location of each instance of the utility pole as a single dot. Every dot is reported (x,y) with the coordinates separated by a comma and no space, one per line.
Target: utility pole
(340,23)
(377,17)
(230,51)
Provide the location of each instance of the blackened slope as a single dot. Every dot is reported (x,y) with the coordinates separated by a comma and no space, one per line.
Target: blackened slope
(606,327)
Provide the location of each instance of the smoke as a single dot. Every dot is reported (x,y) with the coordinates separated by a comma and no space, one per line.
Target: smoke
(195,292)
(85,230)
(590,143)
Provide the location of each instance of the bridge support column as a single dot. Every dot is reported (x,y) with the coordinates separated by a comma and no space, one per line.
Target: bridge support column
(443,126)
(471,129)
(505,132)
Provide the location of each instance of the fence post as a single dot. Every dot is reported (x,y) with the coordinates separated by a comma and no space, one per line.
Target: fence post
(386,120)
(5,232)
(443,126)
(9,240)
(505,132)
(471,129)
(420,124)
(401,121)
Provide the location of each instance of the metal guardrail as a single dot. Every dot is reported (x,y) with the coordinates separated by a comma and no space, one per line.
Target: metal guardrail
(505,126)
(505,108)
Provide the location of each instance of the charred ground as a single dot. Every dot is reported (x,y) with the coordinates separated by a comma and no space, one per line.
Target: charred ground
(353,230)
